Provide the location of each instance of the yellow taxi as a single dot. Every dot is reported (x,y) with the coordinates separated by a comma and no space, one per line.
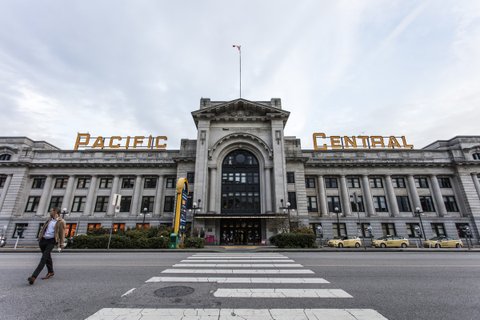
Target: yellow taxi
(390,242)
(350,241)
(443,242)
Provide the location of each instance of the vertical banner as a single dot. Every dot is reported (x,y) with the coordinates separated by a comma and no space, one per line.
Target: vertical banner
(181,206)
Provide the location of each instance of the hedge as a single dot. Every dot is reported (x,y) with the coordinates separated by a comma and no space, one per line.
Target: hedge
(194,243)
(117,242)
(293,240)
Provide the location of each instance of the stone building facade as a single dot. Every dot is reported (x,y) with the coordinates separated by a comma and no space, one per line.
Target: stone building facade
(248,182)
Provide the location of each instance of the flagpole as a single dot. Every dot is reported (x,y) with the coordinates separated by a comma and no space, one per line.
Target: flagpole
(240,65)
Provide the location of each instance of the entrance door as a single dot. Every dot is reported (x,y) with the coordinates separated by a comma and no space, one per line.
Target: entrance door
(240,232)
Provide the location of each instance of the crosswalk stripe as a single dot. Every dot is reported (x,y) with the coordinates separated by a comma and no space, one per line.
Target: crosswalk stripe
(240,271)
(238,280)
(239,265)
(238,260)
(228,314)
(281,293)
(238,257)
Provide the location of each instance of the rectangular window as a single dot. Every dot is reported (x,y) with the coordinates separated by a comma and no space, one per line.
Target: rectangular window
(38,183)
(290,177)
(421,182)
(92,227)
(334,202)
(292,198)
(312,204)
(169,203)
(388,229)
(19,230)
(118,227)
(398,182)
(61,182)
(83,183)
(353,205)
(102,204)
(147,202)
(331,183)
(70,229)
(380,204)
(427,204)
(128,183)
(450,203)
(125,203)
(339,230)
(438,229)
(32,204)
(170,182)
(2,181)
(142,226)
(105,183)
(309,182)
(403,204)
(461,229)
(411,230)
(191,177)
(362,229)
(150,183)
(79,204)
(55,202)
(353,182)
(444,182)
(376,182)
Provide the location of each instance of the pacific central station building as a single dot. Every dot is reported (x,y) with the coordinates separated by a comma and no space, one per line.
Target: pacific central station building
(247,181)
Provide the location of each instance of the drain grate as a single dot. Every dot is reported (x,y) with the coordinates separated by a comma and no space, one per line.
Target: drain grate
(174,291)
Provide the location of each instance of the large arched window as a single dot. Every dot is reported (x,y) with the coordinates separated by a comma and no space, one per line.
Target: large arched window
(5,157)
(240,183)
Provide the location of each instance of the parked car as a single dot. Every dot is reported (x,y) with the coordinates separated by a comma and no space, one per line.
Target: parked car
(443,242)
(391,242)
(345,241)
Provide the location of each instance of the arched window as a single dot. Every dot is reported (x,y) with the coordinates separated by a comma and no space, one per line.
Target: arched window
(476,156)
(5,157)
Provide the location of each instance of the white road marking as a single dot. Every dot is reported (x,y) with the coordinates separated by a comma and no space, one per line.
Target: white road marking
(281,293)
(238,280)
(239,265)
(229,314)
(128,292)
(240,271)
(238,257)
(237,260)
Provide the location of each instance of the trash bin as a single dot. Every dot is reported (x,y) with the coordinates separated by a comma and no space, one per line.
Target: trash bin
(173,241)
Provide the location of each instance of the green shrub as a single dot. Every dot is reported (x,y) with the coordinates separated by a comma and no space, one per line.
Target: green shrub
(121,242)
(304,230)
(158,243)
(136,234)
(293,240)
(194,243)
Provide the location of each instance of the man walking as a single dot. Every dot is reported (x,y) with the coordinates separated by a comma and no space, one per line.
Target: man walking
(51,234)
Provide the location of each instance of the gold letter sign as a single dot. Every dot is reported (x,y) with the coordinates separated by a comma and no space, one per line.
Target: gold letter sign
(322,142)
(85,141)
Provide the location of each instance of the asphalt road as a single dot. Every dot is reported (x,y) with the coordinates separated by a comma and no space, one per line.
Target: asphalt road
(399,285)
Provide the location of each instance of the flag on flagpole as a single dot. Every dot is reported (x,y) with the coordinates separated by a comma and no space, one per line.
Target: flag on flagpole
(237,46)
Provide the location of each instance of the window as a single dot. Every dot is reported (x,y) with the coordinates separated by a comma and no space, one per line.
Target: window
(427,204)
(461,229)
(398,182)
(169,202)
(438,229)
(170,182)
(353,182)
(2,181)
(312,204)
(290,177)
(92,227)
(128,183)
(191,177)
(78,203)
(118,227)
(450,203)
(334,202)
(61,183)
(19,230)
(353,205)
(55,202)
(105,183)
(309,182)
(411,227)
(150,183)
(339,230)
(331,182)
(380,204)
(403,204)
(5,157)
(83,183)
(388,229)
(142,226)
(125,203)
(102,204)
(476,156)
(362,230)
(70,229)
(32,204)
(147,202)
(38,183)
(376,182)
(292,198)
(421,182)
(444,182)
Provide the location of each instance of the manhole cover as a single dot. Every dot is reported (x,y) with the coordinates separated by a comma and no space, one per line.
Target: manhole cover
(175,291)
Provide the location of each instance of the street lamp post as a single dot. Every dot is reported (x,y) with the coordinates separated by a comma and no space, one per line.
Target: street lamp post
(64,212)
(195,207)
(418,212)
(286,209)
(145,212)
(357,205)
(337,211)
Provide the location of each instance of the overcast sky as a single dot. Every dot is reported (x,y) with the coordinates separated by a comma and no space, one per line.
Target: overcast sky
(140,67)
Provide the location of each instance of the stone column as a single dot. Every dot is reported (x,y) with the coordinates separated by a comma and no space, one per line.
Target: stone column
(322,195)
(413,192)
(213,189)
(268,190)
(391,196)
(5,190)
(89,203)
(67,198)
(437,195)
(137,197)
(370,210)
(474,178)
(43,204)
(111,209)
(157,210)
(347,210)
